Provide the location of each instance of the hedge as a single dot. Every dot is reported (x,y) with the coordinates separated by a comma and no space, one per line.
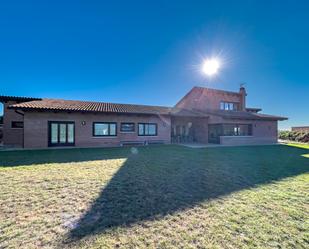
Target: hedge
(296,136)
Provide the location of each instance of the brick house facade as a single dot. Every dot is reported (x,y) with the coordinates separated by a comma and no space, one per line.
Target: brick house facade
(301,128)
(203,115)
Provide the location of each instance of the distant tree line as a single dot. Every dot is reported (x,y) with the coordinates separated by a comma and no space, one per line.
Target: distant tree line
(297,136)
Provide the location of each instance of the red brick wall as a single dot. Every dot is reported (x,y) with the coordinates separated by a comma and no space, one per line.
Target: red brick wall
(266,129)
(203,98)
(11,136)
(36,128)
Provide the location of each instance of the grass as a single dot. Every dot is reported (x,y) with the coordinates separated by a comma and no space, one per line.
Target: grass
(303,146)
(299,145)
(155,197)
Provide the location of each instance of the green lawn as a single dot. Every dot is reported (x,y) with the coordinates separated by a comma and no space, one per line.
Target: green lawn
(155,197)
(299,145)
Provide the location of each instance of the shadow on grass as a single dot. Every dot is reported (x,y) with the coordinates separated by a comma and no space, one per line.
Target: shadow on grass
(34,157)
(161,180)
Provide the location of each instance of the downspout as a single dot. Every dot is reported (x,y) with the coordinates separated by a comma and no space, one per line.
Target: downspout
(22,114)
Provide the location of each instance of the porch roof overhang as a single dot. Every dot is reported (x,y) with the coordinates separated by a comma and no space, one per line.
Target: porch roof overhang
(181,112)
(244,115)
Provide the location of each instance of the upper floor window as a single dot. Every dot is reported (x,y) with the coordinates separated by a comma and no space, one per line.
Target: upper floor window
(101,129)
(229,106)
(147,129)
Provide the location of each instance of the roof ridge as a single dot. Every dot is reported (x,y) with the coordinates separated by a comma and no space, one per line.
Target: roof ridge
(103,102)
(216,90)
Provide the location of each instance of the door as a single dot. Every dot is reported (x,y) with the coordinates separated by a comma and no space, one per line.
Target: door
(61,133)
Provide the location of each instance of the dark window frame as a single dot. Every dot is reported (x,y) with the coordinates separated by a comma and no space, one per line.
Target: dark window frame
(50,144)
(147,135)
(109,123)
(16,127)
(217,130)
(128,123)
(237,125)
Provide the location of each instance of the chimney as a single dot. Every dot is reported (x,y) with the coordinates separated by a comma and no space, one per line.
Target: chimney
(243,94)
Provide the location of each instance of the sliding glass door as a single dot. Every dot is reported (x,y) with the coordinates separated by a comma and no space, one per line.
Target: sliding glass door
(61,133)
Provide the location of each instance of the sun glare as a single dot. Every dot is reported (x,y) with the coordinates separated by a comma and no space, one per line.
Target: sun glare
(211,66)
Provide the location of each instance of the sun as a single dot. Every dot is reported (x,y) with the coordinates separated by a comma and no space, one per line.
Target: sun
(211,66)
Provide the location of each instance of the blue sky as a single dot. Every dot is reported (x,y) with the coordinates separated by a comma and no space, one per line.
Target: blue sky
(149,52)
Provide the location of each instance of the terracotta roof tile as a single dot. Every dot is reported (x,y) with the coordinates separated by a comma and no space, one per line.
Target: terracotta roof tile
(17,98)
(87,106)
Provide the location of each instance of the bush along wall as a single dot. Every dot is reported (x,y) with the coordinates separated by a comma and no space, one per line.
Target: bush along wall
(297,136)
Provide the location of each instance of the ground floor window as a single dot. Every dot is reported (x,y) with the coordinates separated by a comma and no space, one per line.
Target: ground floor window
(217,130)
(17,124)
(237,129)
(127,127)
(147,129)
(61,133)
(101,129)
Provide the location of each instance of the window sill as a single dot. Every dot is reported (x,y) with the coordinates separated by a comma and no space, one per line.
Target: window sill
(147,135)
(238,136)
(104,136)
(127,132)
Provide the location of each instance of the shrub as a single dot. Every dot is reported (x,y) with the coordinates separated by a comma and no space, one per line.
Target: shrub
(297,136)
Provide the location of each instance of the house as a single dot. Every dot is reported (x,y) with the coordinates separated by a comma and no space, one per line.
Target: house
(301,128)
(203,115)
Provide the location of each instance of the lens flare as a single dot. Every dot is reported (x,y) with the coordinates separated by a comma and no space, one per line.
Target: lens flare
(211,66)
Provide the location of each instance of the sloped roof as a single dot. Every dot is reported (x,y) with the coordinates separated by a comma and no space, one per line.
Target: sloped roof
(17,98)
(89,106)
(104,107)
(37,104)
